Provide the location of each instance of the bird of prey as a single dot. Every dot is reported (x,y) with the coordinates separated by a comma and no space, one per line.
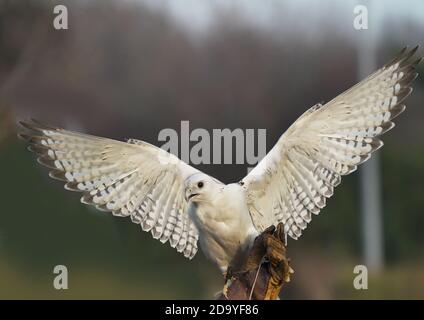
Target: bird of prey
(178,204)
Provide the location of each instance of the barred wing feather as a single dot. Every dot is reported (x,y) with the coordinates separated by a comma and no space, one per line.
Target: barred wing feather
(133,179)
(328,141)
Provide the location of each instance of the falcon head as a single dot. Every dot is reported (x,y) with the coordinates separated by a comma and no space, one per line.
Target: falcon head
(198,187)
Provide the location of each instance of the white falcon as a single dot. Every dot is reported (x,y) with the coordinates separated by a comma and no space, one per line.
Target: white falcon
(181,205)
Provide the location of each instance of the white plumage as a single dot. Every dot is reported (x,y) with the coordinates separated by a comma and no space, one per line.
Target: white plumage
(328,141)
(180,205)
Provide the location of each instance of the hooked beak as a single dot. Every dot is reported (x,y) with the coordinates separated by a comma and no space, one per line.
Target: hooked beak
(190,195)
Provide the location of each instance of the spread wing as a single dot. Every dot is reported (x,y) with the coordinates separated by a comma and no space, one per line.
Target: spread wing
(133,179)
(328,141)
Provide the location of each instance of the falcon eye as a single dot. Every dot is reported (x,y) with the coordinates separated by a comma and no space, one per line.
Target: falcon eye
(200,184)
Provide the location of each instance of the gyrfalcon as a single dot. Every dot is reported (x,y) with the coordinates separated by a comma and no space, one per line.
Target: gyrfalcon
(179,204)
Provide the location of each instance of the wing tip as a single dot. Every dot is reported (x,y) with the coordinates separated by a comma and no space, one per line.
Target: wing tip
(404,57)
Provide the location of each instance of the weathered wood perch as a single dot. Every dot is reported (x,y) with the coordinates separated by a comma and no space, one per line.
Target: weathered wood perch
(263,273)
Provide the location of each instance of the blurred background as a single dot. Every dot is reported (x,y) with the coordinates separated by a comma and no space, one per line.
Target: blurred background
(131,68)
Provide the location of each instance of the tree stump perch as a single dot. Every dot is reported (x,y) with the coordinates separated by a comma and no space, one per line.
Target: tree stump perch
(264,272)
